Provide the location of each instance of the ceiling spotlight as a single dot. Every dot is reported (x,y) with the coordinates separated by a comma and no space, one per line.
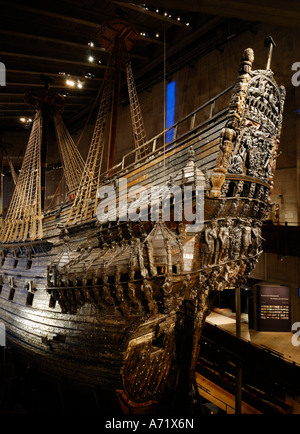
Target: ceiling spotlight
(70,83)
(26,121)
(157,10)
(79,84)
(90,59)
(91,43)
(157,35)
(89,75)
(187,24)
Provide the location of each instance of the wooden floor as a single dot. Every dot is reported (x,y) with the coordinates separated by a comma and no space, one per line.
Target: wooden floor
(280,342)
(224,400)
(275,341)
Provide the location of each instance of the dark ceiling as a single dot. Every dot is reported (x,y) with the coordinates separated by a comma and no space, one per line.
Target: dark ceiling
(53,38)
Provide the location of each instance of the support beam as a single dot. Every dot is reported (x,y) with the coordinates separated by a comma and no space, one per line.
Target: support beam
(238,311)
(181,44)
(51,14)
(65,42)
(69,18)
(21,35)
(276,12)
(143,10)
(239,371)
(56,86)
(51,59)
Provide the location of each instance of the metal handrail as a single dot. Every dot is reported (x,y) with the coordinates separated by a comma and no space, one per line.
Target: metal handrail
(215,397)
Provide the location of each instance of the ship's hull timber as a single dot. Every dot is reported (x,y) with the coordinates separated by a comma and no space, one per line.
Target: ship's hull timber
(120,305)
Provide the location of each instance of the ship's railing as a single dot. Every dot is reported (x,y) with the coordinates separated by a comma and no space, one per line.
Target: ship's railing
(185,126)
(211,111)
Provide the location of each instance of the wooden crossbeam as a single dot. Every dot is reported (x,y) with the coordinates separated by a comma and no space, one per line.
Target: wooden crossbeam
(275,12)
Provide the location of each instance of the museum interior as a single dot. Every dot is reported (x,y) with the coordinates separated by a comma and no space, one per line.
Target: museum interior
(184,59)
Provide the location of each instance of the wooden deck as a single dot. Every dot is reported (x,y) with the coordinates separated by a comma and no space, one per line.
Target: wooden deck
(220,397)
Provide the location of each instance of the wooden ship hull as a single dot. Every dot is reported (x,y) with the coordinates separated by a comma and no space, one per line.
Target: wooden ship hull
(119,304)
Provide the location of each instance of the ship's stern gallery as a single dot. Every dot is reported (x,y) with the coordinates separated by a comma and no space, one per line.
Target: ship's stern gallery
(150,209)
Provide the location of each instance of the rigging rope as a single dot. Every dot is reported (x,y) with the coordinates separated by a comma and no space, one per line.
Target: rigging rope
(138,127)
(90,178)
(86,201)
(12,169)
(24,215)
(71,158)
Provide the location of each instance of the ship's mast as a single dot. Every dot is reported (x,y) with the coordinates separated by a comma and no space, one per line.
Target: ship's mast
(3,147)
(24,216)
(117,37)
(48,103)
(270,44)
(115,104)
(45,110)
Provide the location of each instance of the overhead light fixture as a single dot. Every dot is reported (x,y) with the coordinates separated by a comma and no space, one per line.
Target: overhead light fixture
(91,59)
(26,121)
(89,75)
(70,83)
(79,84)
(91,43)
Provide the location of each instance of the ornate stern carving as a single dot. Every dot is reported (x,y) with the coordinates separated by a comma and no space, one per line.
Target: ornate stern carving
(249,141)
(236,108)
